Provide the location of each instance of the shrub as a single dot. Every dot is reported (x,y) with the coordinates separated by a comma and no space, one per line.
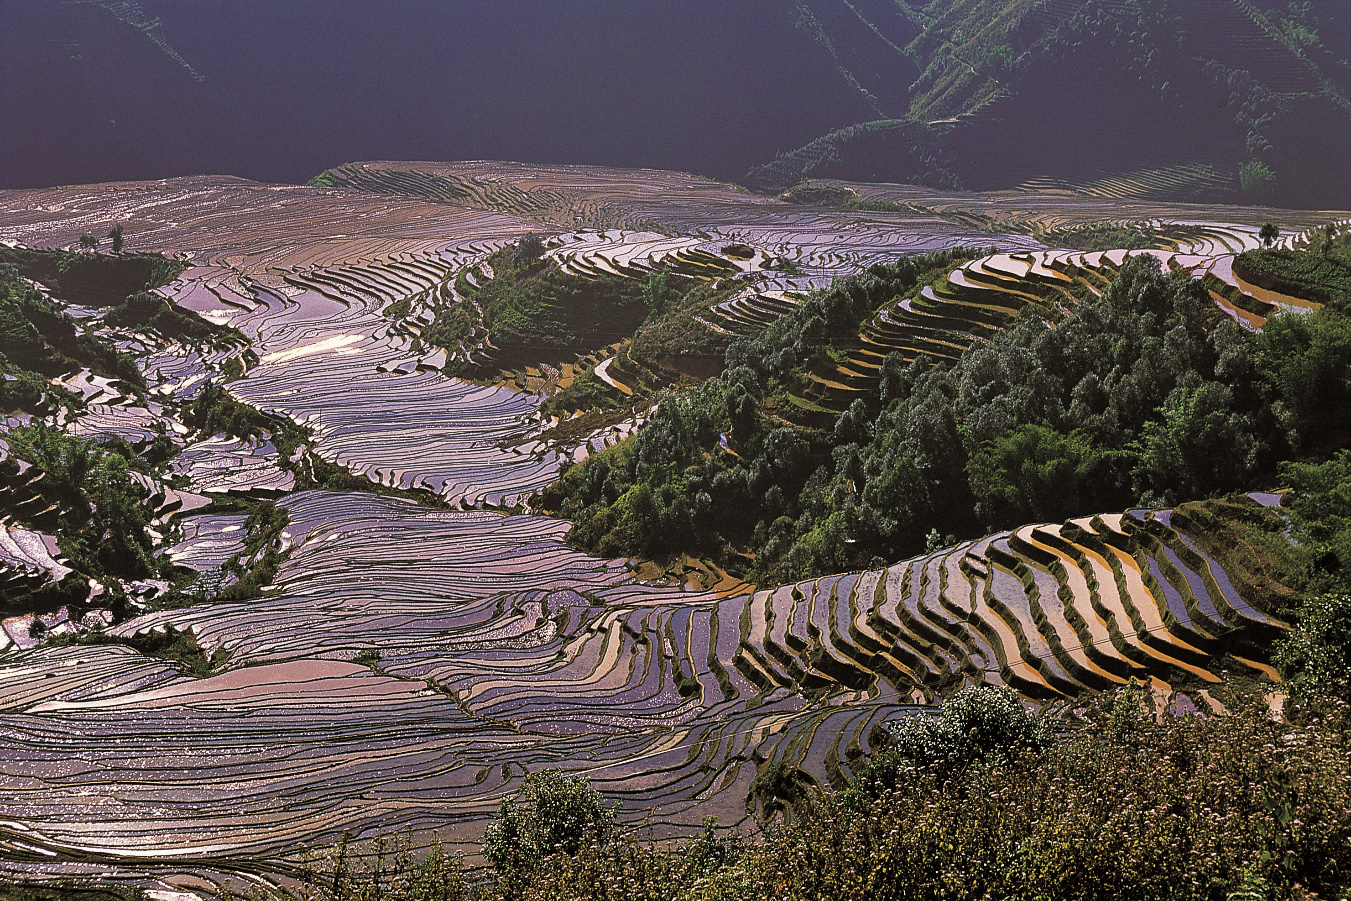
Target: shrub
(552,814)
(1316,654)
(977,725)
(1256,178)
(527,251)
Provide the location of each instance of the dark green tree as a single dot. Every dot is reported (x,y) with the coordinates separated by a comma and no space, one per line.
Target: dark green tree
(527,252)
(553,813)
(1256,178)
(1038,473)
(1305,360)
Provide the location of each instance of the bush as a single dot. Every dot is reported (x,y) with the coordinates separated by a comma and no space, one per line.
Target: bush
(1256,178)
(1316,654)
(527,251)
(982,725)
(552,814)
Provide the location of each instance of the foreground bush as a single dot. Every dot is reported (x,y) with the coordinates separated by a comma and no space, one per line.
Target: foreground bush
(1125,805)
(552,814)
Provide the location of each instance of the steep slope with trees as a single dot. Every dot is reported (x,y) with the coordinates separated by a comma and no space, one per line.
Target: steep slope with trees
(1147,395)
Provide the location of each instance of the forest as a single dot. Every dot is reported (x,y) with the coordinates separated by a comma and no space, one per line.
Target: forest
(1146,396)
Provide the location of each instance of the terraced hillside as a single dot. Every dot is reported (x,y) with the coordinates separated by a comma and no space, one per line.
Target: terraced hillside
(369,632)
(988,294)
(1052,611)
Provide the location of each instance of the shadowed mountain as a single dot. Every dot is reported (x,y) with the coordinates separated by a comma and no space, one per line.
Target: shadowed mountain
(119,89)
(1203,99)
(1214,100)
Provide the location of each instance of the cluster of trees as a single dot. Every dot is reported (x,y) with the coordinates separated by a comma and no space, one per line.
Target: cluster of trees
(39,341)
(99,515)
(1147,395)
(215,411)
(1103,236)
(1316,519)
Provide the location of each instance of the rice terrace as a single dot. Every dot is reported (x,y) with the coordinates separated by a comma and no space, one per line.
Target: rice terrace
(925,511)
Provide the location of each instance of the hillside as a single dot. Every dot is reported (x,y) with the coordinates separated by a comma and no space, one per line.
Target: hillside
(1224,100)
(101,90)
(461,498)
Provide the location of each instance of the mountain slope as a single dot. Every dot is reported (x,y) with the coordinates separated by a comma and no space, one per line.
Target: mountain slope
(279,91)
(1013,91)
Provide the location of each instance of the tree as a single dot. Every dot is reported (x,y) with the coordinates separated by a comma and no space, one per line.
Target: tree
(553,813)
(527,251)
(1256,178)
(1319,506)
(1198,445)
(125,546)
(981,725)
(116,237)
(1324,241)
(88,242)
(1305,359)
(1037,473)
(657,290)
(1269,233)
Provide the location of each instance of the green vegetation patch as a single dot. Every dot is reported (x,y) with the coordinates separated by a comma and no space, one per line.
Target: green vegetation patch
(1147,396)
(91,502)
(1322,275)
(256,566)
(177,646)
(38,341)
(587,392)
(1104,236)
(534,312)
(145,311)
(92,279)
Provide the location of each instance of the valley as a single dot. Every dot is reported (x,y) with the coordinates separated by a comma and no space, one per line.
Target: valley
(390,626)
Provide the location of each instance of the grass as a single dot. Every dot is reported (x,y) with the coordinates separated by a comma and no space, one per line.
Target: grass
(1248,542)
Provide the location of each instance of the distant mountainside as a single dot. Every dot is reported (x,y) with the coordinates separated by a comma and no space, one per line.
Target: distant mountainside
(1200,99)
(94,90)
